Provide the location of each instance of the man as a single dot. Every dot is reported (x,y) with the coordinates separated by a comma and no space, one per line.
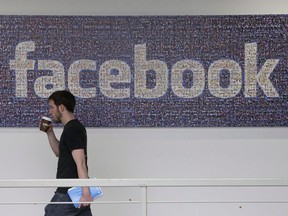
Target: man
(71,150)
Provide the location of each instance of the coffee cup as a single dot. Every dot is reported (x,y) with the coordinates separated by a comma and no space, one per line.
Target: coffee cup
(45,123)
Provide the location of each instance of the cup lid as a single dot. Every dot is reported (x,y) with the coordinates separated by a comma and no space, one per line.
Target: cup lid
(47,118)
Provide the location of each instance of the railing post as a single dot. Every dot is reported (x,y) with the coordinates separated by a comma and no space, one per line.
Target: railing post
(143,200)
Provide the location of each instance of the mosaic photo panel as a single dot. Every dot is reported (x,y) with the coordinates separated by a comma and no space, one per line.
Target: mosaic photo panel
(147,71)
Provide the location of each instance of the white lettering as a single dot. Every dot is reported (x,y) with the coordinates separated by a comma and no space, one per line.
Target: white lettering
(21,65)
(141,68)
(262,78)
(115,76)
(46,85)
(122,75)
(74,78)
(214,78)
(198,78)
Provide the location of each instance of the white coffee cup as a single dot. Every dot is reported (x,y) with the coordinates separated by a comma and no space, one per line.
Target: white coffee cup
(45,123)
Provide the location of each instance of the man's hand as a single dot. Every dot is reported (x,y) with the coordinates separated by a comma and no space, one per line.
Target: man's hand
(85,198)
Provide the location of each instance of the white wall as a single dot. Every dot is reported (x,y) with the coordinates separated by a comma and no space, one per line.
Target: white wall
(153,153)
(156,153)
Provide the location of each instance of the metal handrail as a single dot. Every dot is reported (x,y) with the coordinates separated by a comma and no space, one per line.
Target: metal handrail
(143,184)
(197,182)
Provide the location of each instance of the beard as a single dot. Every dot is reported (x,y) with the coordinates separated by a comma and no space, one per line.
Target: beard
(57,117)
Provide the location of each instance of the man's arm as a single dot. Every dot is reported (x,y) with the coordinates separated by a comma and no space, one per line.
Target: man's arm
(53,141)
(79,158)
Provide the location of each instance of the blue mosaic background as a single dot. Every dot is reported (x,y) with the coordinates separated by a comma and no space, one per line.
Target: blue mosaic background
(168,39)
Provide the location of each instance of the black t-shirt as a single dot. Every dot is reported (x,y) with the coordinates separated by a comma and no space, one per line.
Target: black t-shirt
(73,137)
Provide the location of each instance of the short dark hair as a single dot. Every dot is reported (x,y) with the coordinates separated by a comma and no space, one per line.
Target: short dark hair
(65,98)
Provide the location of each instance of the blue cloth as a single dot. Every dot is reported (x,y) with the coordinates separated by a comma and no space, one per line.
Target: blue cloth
(65,209)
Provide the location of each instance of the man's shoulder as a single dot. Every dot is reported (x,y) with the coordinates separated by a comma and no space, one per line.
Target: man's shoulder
(74,124)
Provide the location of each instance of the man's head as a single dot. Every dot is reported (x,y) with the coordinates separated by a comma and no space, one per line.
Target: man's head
(60,101)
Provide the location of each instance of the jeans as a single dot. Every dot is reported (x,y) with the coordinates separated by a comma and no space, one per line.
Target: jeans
(65,209)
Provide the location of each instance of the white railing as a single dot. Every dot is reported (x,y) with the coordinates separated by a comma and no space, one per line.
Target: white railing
(143,184)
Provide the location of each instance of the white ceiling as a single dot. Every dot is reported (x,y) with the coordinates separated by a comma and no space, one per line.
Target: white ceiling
(144,7)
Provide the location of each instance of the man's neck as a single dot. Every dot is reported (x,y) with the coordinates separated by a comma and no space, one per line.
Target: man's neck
(67,117)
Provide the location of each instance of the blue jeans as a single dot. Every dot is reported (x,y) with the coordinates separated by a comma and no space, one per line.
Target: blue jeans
(65,209)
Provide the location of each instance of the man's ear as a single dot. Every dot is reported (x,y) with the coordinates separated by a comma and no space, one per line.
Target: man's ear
(61,107)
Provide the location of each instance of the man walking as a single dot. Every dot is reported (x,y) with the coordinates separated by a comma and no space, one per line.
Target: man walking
(71,151)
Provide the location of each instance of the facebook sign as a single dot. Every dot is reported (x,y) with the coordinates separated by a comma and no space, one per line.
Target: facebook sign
(147,71)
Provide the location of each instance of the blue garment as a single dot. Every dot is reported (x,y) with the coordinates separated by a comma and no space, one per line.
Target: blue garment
(65,209)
